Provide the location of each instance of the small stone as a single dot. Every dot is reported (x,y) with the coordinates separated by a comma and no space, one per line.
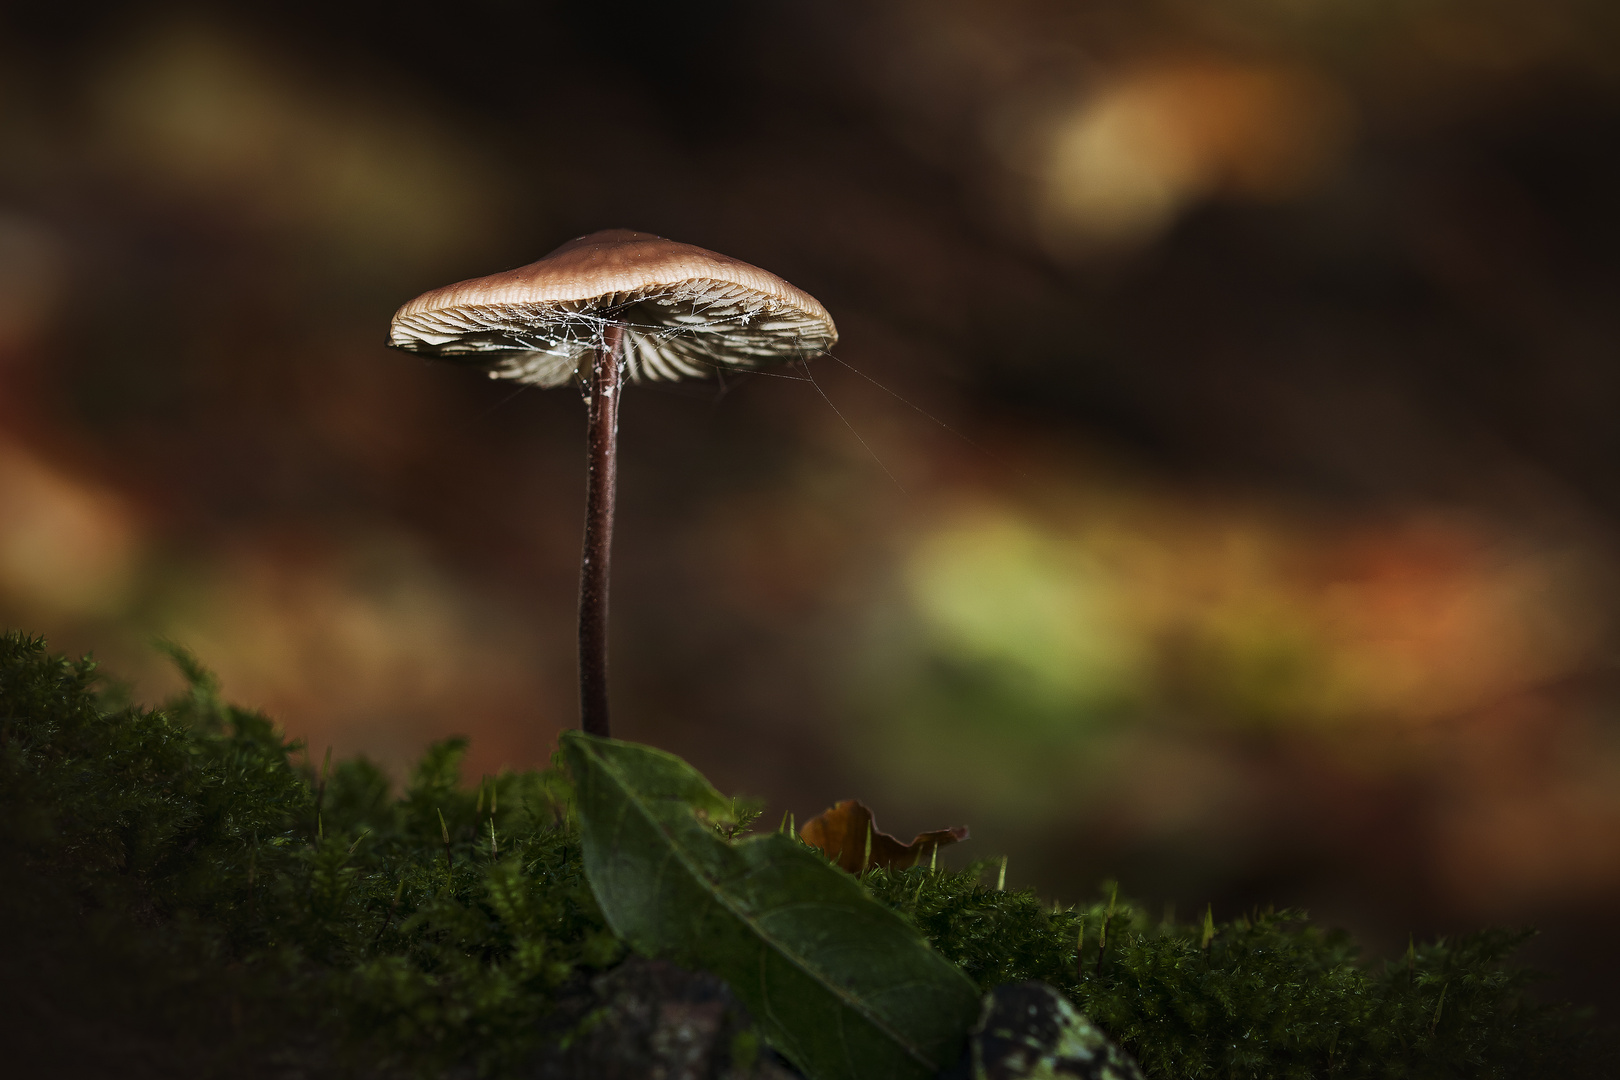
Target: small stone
(1029,1031)
(652,1020)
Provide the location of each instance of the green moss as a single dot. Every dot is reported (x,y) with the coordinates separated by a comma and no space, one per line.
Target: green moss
(1266,996)
(192,883)
(193,895)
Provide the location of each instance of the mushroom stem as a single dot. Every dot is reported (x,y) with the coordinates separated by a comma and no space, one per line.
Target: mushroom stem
(602,438)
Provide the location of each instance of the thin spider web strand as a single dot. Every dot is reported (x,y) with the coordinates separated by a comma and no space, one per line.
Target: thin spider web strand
(852,431)
(656,363)
(913,405)
(825,353)
(506,400)
(668,352)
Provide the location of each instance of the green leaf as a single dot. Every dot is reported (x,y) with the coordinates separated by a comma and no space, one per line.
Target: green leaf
(843,986)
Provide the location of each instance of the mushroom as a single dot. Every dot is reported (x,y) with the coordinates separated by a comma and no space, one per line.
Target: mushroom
(601,309)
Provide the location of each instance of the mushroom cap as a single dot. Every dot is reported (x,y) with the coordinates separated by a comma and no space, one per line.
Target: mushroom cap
(685,312)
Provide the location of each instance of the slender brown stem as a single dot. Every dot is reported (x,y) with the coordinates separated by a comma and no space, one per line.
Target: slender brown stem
(602,437)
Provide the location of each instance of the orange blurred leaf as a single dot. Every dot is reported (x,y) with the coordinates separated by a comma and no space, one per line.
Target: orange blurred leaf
(842,830)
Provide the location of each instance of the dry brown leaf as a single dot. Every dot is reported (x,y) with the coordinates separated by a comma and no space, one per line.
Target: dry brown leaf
(842,830)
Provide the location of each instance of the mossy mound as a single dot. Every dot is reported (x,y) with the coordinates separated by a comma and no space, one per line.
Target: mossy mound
(198,898)
(190,895)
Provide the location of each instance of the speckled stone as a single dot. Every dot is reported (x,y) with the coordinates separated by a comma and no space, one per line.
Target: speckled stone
(652,1020)
(1029,1031)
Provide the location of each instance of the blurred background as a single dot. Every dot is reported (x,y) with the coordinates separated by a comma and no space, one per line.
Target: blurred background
(1216,485)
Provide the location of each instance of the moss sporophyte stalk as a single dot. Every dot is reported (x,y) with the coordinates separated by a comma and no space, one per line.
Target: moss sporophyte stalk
(186,892)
